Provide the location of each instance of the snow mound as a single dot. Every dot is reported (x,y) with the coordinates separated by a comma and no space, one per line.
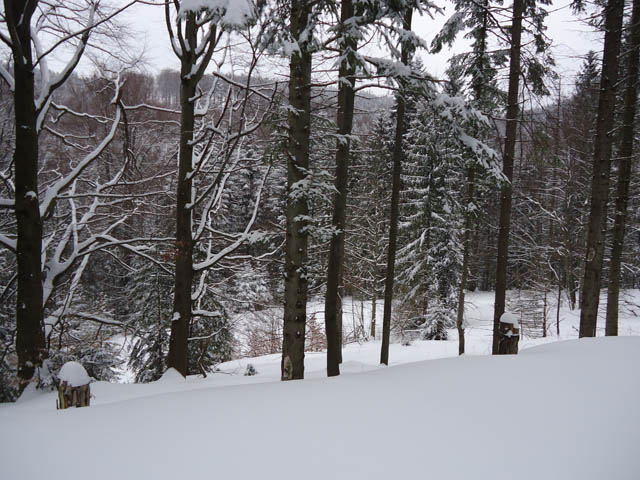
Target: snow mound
(508,317)
(74,374)
(170,376)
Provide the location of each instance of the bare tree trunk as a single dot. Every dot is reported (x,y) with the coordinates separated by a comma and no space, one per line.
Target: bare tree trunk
(299,120)
(340,317)
(373,314)
(478,84)
(507,169)
(568,263)
(398,155)
(558,309)
(590,295)
(30,341)
(346,99)
(624,172)
(466,249)
(181,320)
(545,308)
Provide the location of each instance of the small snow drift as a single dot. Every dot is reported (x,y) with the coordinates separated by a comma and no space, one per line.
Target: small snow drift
(565,411)
(171,376)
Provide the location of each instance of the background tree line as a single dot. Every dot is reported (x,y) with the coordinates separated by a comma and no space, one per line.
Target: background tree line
(182,210)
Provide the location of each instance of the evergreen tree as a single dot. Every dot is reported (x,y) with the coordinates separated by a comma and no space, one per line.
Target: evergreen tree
(151,315)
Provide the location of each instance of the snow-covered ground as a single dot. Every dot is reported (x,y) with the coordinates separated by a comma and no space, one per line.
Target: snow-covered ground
(567,410)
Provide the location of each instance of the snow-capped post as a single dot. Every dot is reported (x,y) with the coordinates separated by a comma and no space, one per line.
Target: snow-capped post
(509,331)
(73,389)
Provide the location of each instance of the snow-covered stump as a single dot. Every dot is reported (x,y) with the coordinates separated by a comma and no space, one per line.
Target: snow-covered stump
(73,389)
(509,331)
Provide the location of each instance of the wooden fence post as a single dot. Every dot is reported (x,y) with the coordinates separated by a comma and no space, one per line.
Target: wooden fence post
(509,331)
(73,390)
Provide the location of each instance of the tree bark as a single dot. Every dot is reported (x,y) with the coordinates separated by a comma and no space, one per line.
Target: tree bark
(178,352)
(346,100)
(398,155)
(507,169)
(590,295)
(466,248)
(558,309)
(373,312)
(30,341)
(299,121)
(624,172)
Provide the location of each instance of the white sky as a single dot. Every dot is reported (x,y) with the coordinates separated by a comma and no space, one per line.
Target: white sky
(571,38)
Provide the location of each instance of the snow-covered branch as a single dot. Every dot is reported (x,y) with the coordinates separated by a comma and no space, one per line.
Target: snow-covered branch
(51,194)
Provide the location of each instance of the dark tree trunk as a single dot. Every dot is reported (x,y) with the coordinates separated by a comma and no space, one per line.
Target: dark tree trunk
(346,98)
(570,283)
(558,309)
(339,317)
(624,172)
(466,249)
(299,121)
(507,170)
(30,341)
(478,85)
(398,155)
(184,242)
(373,313)
(590,295)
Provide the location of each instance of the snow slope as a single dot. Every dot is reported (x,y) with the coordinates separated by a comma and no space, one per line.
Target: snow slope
(567,410)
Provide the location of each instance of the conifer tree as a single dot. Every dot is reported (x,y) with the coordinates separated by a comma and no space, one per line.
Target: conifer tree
(535,15)
(625,157)
(590,295)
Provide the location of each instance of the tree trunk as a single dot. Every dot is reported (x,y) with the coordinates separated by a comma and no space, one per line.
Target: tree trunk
(466,249)
(30,341)
(373,313)
(398,155)
(178,353)
(558,309)
(507,169)
(299,121)
(568,262)
(346,99)
(624,172)
(590,295)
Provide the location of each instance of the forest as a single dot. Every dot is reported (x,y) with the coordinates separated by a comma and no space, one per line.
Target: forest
(303,188)
(173,208)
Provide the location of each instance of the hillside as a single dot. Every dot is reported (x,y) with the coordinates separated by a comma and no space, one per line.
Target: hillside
(567,410)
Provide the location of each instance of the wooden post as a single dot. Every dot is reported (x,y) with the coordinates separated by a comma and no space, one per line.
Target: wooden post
(69,396)
(509,334)
(73,389)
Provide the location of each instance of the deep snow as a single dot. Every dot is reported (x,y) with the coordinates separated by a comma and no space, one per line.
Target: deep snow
(557,411)
(562,411)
